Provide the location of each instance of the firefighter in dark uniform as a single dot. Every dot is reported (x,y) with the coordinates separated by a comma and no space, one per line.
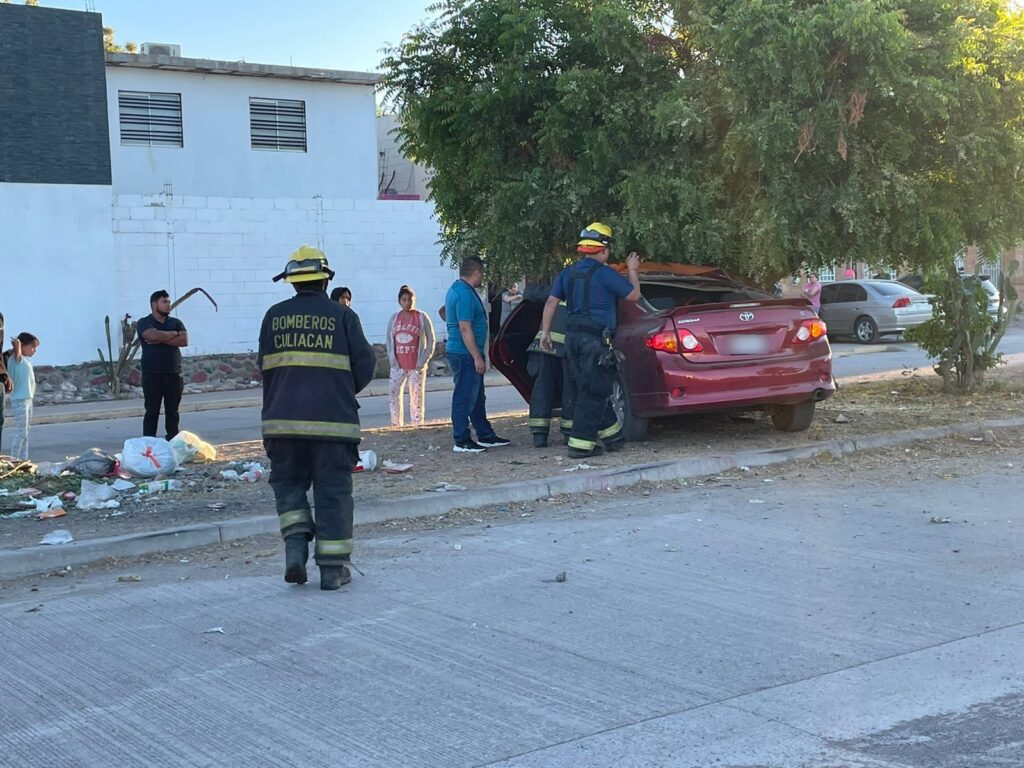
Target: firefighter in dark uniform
(547,368)
(591,290)
(314,359)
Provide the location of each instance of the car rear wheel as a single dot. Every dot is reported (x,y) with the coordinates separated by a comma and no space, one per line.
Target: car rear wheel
(634,428)
(866,330)
(793,418)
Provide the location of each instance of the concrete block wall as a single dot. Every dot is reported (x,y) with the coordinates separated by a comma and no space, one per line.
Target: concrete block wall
(233,246)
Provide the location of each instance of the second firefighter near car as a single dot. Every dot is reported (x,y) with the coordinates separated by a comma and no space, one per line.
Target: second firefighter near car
(591,291)
(314,359)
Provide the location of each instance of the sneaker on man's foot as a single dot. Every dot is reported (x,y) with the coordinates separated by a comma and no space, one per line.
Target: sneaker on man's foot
(540,441)
(334,577)
(468,446)
(579,453)
(494,442)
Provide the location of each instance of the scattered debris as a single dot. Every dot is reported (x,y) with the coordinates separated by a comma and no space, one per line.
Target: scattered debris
(93,463)
(216,505)
(97,495)
(34,609)
(129,579)
(367,462)
(560,577)
(188,447)
(755,501)
(214,631)
(160,486)
(842,418)
(940,520)
(122,485)
(60,536)
(50,513)
(578,467)
(148,457)
(457,547)
(394,468)
(446,487)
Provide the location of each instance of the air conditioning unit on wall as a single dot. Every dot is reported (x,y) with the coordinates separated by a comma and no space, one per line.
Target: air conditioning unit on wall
(161,49)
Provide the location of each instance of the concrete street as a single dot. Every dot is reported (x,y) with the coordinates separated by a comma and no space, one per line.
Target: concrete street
(820,620)
(51,442)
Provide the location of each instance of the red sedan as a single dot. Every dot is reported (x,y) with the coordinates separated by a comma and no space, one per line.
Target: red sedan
(698,341)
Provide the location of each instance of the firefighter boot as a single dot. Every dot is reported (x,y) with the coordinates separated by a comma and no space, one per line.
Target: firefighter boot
(540,440)
(334,576)
(296,553)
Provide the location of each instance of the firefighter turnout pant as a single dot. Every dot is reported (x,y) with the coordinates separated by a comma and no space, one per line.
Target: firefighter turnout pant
(590,385)
(326,465)
(550,391)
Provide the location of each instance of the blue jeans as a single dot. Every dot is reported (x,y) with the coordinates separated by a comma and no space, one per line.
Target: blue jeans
(468,400)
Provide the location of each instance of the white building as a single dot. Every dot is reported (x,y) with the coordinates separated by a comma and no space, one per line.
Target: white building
(196,173)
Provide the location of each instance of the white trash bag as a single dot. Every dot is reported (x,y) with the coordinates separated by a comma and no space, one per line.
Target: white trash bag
(148,457)
(97,496)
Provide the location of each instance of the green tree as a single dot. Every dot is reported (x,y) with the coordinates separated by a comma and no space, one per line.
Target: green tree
(759,136)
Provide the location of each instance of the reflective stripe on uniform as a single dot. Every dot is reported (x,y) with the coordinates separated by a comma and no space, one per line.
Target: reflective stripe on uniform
(334,546)
(567,424)
(583,445)
(539,423)
(307,360)
(295,517)
(295,428)
(614,429)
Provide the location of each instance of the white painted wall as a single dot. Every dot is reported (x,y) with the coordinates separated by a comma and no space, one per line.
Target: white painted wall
(233,246)
(217,158)
(57,262)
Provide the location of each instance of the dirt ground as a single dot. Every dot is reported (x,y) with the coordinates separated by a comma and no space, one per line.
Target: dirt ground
(939,461)
(893,404)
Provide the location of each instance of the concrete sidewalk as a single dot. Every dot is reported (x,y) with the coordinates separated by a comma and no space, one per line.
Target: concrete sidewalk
(25,561)
(99,410)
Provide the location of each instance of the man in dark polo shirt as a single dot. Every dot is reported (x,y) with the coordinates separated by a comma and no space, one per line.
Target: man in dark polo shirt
(162,338)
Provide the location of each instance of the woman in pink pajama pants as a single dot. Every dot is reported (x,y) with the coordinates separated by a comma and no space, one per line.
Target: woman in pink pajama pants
(410,344)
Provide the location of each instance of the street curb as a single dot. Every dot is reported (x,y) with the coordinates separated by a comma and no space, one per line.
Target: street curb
(26,561)
(434,384)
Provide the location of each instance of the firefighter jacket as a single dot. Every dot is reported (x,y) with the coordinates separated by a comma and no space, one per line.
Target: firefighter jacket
(557,335)
(314,359)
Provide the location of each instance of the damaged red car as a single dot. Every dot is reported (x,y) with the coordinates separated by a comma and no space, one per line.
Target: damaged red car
(699,341)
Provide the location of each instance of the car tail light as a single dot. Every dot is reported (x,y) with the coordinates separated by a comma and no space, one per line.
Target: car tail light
(810,330)
(674,341)
(901,302)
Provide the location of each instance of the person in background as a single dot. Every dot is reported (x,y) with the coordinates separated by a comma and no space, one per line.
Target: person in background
(812,291)
(342,294)
(410,345)
(5,381)
(162,338)
(466,322)
(23,379)
(510,299)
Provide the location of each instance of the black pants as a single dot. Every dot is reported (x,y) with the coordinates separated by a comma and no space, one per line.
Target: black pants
(550,391)
(160,388)
(295,465)
(590,385)
(3,396)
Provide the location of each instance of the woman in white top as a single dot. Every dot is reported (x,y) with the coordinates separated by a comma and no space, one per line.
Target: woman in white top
(23,377)
(410,345)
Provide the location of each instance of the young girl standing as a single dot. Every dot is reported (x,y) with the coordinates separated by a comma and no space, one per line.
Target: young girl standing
(23,377)
(410,345)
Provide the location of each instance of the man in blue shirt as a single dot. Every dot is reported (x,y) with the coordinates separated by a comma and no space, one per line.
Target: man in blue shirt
(467,334)
(591,290)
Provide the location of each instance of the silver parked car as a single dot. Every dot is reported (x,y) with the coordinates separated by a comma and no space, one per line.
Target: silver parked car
(867,309)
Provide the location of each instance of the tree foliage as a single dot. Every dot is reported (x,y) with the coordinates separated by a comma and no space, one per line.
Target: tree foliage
(112,46)
(760,136)
(962,336)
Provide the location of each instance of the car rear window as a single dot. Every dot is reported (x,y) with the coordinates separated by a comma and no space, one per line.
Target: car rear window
(680,294)
(893,289)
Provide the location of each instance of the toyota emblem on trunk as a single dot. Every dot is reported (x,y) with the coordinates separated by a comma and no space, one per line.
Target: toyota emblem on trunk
(746,317)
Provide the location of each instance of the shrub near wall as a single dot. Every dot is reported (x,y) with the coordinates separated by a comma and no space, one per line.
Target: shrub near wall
(202,373)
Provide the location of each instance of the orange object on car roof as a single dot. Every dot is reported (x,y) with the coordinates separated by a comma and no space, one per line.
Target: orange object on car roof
(689,270)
